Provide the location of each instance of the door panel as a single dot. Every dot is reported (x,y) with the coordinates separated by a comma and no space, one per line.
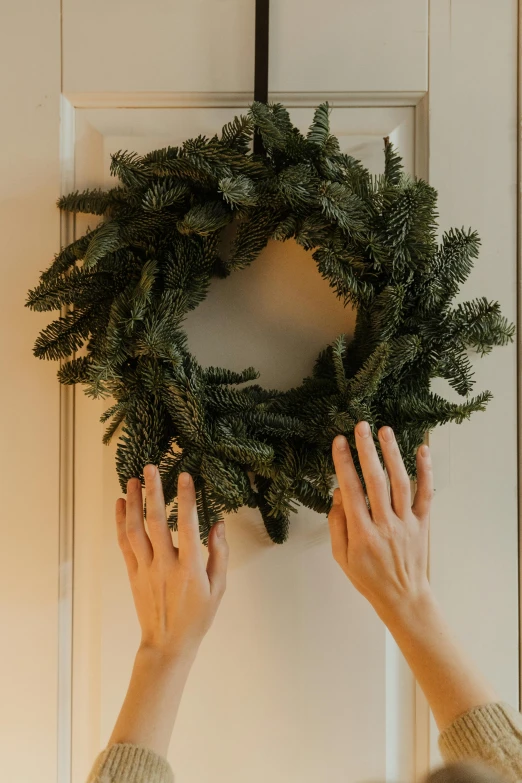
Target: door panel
(340,46)
(187,45)
(287,682)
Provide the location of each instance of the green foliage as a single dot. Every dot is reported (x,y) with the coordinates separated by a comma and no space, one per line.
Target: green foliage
(125,287)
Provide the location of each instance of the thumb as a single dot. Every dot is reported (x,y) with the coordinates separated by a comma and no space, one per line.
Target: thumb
(338,529)
(217,559)
(424,495)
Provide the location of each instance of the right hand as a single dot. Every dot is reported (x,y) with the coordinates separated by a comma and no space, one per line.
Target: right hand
(383,550)
(176,594)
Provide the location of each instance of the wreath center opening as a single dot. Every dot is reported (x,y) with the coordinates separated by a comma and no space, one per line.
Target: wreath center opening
(278,310)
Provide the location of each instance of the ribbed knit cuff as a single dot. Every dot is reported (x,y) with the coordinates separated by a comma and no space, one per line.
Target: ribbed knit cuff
(478,729)
(128,763)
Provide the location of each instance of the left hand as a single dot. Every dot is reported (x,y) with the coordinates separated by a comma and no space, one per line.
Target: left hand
(175,594)
(382,549)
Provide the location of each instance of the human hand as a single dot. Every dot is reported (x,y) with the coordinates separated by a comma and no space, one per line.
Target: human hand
(175,596)
(383,550)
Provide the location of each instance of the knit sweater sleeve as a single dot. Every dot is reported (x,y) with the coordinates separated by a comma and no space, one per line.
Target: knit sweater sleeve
(491,733)
(128,763)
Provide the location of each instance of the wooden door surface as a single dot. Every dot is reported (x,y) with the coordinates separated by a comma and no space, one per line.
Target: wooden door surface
(297,678)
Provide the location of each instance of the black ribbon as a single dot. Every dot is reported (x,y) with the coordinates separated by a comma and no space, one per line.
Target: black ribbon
(261,62)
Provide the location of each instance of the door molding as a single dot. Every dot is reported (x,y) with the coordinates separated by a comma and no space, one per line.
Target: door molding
(227,100)
(519,340)
(66,484)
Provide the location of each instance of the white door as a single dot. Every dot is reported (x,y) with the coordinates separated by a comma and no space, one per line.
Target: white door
(297,679)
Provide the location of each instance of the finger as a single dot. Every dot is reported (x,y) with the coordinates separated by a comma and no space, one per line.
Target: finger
(424,494)
(399,479)
(217,559)
(373,473)
(159,533)
(352,494)
(135,528)
(189,543)
(123,541)
(338,529)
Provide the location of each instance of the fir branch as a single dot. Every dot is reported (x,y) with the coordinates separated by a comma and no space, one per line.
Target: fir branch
(480,324)
(276,523)
(238,134)
(118,418)
(65,335)
(320,128)
(342,206)
(221,375)
(204,219)
(392,163)
(164,194)
(106,240)
(67,258)
(238,191)
(130,168)
(93,201)
(75,371)
(251,237)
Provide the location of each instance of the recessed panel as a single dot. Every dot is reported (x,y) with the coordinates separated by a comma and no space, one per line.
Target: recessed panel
(296,669)
(208,46)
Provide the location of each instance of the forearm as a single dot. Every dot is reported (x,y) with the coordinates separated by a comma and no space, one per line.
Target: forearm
(450,681)
(151,704)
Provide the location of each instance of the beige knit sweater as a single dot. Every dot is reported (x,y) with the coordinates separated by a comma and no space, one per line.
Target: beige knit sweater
(491,734)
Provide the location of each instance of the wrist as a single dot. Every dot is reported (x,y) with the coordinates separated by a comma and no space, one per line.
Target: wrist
(165,659)
(409,610)
(156,685)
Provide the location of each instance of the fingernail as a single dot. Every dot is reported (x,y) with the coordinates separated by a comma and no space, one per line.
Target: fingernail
(340,443)
(363,429)
(149,471)
(184,479)
(424,451)
(387,434)
(220,529)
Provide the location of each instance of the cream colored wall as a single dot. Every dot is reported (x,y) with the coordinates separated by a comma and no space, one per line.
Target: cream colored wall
(29,398)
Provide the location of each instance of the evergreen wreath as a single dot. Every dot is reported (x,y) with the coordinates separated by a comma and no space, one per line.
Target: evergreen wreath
(153,257)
